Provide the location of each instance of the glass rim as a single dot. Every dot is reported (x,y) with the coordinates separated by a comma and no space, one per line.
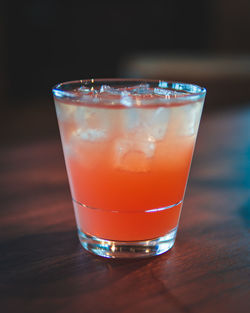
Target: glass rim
(192,93)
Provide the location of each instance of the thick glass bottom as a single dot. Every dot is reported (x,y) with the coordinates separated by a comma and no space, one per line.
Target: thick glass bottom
(127,249)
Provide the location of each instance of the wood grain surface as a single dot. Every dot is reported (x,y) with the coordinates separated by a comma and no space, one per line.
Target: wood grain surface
(44,269)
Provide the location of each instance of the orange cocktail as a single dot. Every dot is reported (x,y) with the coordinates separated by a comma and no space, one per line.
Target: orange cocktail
(128,150)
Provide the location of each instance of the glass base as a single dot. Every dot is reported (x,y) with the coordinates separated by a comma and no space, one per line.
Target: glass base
(127,249)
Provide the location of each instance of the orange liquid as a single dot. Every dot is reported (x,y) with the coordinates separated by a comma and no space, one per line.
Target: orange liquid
(117,195)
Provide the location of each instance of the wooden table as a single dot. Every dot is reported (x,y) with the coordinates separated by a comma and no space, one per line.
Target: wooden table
(44,269)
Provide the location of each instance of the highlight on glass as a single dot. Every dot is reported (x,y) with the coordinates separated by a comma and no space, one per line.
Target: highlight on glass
(128,146)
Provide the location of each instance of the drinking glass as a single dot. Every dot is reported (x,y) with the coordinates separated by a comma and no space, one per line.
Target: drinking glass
(128,146)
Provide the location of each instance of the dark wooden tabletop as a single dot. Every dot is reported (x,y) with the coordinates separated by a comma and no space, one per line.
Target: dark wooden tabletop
(44,269)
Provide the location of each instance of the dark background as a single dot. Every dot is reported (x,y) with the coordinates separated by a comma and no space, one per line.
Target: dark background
(44,42)
(53,41)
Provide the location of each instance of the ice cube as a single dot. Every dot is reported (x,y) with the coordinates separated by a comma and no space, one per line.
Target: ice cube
(92,134)
(85,90)
(157,123)
(131,120)
(81,148)
(146,124)
(167,93)
(142,89)
(89,134)
(123,95)
(64,111)
(83,116)
(111,91)
(126,99)
(161,91)
(133,155)
(106,88)
(95,123)
(188,119)
(134,90)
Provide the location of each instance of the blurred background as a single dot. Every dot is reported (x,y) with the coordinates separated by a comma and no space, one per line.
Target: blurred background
(44,42)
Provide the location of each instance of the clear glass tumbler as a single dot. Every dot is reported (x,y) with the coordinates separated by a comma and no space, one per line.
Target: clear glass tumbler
(128,146)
